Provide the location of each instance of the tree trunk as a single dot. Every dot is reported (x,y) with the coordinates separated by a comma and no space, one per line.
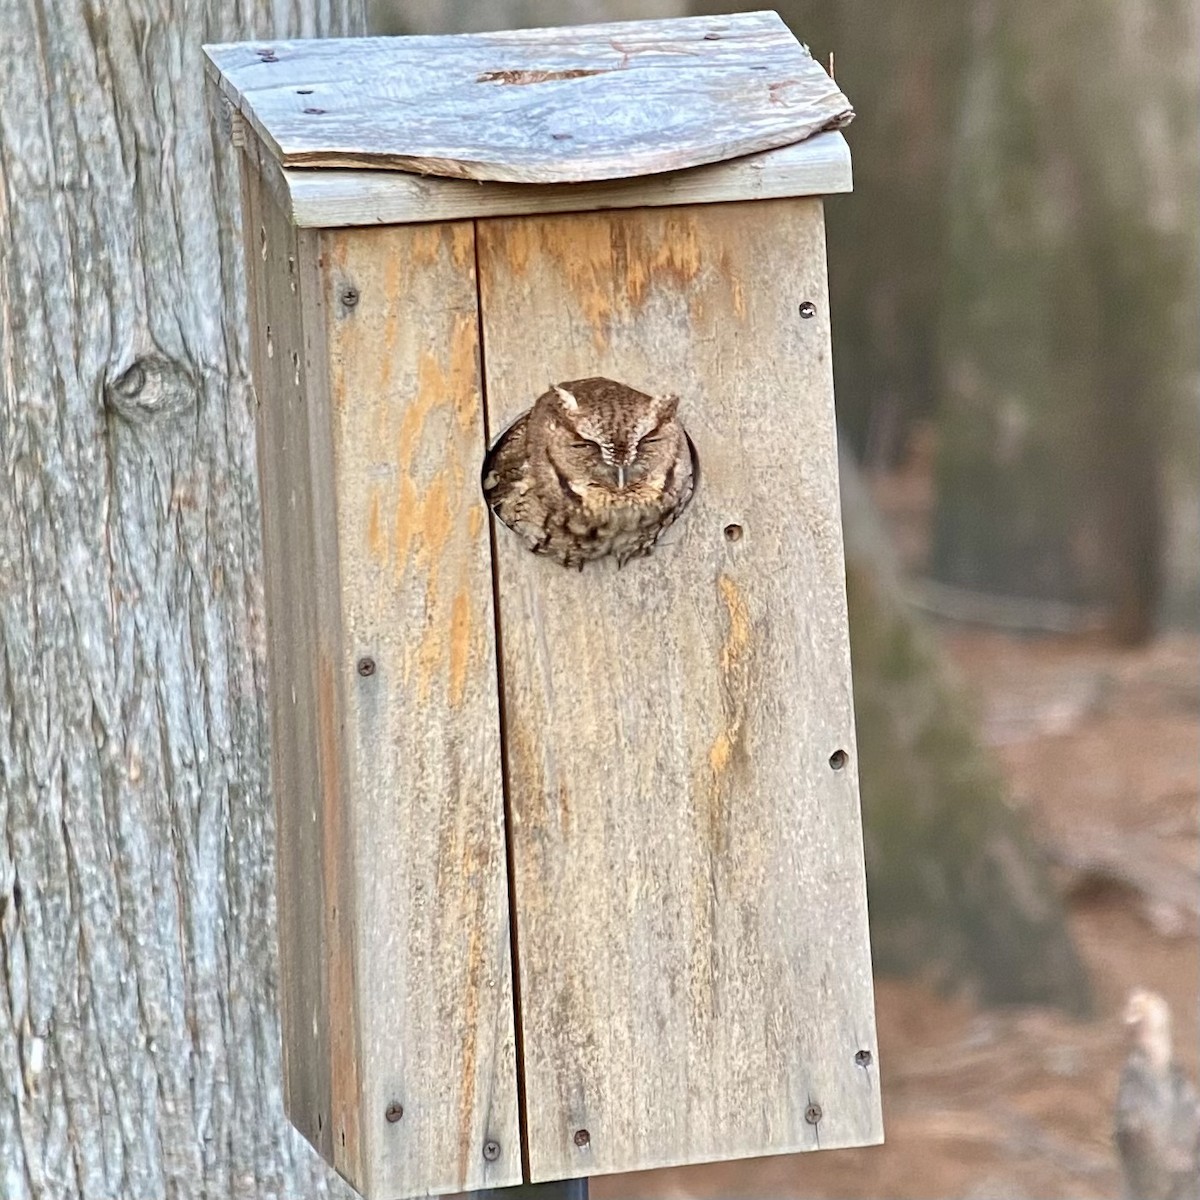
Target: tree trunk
(956,889)
(138,1033)
(1068,349)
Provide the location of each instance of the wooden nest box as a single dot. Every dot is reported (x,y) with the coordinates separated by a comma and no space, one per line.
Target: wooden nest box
(570,862)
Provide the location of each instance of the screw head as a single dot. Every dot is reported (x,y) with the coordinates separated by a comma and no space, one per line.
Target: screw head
(838,759)
(366,667)
(349,296)
(864,1058)
(813,1114)
(582,1139)
(393,1112)
(491,1150)
(808,309)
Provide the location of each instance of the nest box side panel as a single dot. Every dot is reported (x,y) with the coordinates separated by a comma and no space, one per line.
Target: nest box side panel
(397,307)
(314,887)
(694,968)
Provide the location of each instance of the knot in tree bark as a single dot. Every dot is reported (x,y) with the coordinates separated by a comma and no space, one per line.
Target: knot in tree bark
(153,386)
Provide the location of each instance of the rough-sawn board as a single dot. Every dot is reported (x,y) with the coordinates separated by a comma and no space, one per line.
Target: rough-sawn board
(579,103)
(694,969)
(395,978)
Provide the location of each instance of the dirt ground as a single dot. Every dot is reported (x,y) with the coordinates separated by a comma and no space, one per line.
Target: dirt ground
(1102,751)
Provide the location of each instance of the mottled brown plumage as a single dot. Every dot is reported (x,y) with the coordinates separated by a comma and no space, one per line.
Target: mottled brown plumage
(594,468)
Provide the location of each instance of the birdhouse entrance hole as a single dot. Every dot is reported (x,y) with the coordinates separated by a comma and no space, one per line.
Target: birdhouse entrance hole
(569,862)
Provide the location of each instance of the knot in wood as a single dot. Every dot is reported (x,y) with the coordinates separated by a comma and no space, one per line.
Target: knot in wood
(152,386)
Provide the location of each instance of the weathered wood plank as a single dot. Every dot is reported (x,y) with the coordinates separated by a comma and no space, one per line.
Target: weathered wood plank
(818,166)
(693,949)
(297,761)
(420,726)
(579,103)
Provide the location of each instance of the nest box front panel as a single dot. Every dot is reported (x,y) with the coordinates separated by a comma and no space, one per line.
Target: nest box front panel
(692,953)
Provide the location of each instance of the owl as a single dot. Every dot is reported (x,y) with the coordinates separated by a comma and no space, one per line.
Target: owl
(594,468)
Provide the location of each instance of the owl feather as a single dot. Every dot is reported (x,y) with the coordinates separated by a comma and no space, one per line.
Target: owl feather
(594,469)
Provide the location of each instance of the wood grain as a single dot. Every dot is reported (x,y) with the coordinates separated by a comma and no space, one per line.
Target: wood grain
(300,770)
(393,911)
(818,166)
(693,947)
(420,727)
(573,104)
(138,1015)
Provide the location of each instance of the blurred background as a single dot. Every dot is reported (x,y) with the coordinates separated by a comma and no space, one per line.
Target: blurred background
(1015,300)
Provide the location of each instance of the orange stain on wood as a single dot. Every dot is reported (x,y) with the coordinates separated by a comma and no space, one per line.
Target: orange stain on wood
(475,520)
(425,244)
(672,253)
(375,539)
(735,682)
(462,246)
(460,645)
(463,382)
(512,240)
(739,299)
(738,637)
(721,752)
(395,311)
(582,246)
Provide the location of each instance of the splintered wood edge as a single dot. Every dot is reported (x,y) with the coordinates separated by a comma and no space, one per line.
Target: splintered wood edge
(323,198)
(818,166)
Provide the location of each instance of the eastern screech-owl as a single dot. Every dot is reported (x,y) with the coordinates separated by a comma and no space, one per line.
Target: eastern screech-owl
(593,468)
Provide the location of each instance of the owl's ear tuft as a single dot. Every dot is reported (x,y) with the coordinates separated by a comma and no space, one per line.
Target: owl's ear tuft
(667,406)
(568,401)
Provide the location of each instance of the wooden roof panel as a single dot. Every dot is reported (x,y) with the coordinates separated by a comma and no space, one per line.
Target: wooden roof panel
(568,105)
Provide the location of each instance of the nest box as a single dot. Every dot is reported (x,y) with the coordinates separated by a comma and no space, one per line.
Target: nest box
(570,862)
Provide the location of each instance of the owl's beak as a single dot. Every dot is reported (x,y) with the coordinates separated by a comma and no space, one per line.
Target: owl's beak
(621,479)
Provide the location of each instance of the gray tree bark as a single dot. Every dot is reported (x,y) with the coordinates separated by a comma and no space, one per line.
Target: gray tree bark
(139,1048)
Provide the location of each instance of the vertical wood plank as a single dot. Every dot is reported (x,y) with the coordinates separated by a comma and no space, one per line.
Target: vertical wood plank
(289,553)
(690,902)
(420,727)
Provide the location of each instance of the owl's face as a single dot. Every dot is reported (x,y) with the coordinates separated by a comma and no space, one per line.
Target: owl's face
(608,436)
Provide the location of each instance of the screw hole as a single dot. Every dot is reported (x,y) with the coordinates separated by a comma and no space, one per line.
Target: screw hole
(813,1114)
(320,1122)
(838,759)
(304,91)
(316,112)
(393,1112)
(366,667)
(733,533)
(863,1058)
(808,309)
(582,1139)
